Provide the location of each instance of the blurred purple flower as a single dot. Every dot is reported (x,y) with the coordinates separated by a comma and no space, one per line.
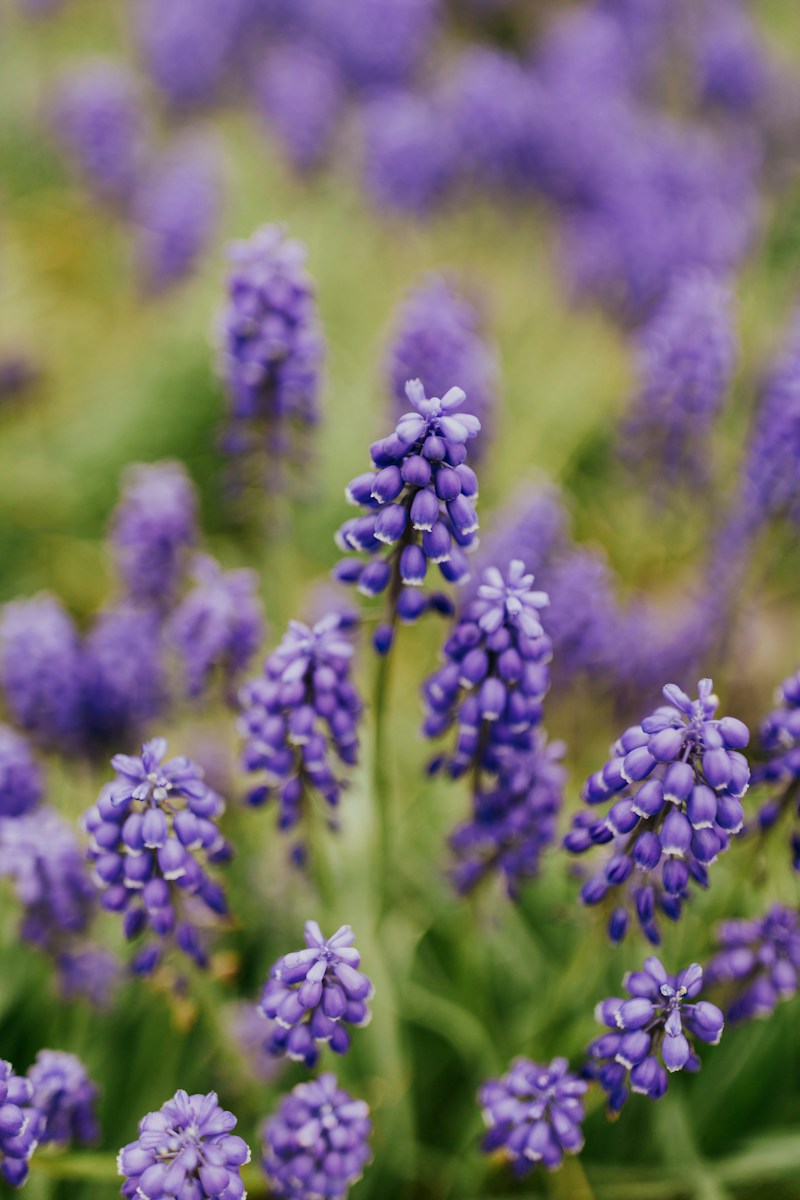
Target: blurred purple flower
(299,93)
(65,1097)
(757,964)
(21,783)
(153,528)
(409,153)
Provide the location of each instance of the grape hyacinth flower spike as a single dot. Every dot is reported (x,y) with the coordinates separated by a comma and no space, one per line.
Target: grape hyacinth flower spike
(300,716)
(153,527)
(316,1145)
(779,770)
(21,785)
(188,1149)
(153,835)
(19,1127)
(65,1097)
(313,993)
(495,674)
(419,502)
(757,964)
(652,1030)
(676,782)
(534,1114)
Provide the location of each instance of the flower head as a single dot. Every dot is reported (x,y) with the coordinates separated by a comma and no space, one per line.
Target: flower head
(65,1097)
(124,676)
(316,1145)
(153,836)
(21,784)
(301,716)
(534,1114)
(185,1149)
(300,95)
(757,964)
(19,1128)
(676,782)
(312,994)
(652,1030)
(154,526)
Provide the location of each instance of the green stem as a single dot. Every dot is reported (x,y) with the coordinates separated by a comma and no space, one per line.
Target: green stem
(569,1182)
(382,787)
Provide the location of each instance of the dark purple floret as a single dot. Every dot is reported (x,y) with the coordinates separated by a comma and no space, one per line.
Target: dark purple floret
(272,349)
(301,716)
(419,502)
(409,154)
(495,674)
(439,337)
(300,95)
(41,670)
(685,354)
(186,1149)
(154,835)
(316,1144)
(65,1097)
(250,1033)
(97,117)
(175,213)
(675,784)
(124,677)
(313,994)
(654,1029)
(534,1114)
(514,817)
(21,784)
(154,527)
(218,627)
(19,1130)
(758,963)
(40,853)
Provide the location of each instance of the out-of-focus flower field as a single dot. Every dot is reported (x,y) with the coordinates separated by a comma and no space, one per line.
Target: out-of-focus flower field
(612,193)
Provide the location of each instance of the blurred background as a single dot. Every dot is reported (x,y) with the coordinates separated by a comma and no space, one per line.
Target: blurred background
(593,182)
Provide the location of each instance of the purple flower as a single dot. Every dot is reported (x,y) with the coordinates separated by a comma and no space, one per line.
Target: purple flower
(495,673)
(655,1026)
(190,49)
(19,374)
(41,671)
(312,994)
(299,93)
(21,784)
(97,118)
(534,1114)
(376,44)
(316,1144)
(218,626)
(185,1149)
(250,1034)
(154,526)
(531,525)
(686,354)
(124,678)
(514,818)
(675,784)
(730,64)
(175,213)
(40,853)
(439,337)
(19,1130)
(778,770)
(272,347)
(583,635)
(419,503)
(89,973)
(409,154)
(300,716)
(758,963)
(65,1097)
(153,835)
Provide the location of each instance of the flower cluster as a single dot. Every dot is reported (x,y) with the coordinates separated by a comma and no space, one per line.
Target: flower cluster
(217,626)
(21,785)
(419,501)
(153,834)
(409,154)
(534,1113)
(317,1143)
(439,338)
(495,674)
(19,1126)
(650,1029)
(514,818)
(313,993)
(758,963)
(185,1149)
(124,680)
(779,768)
(64,1096)
(154,526)
(300,94)
(676,782)
(272,347)
(301,715)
